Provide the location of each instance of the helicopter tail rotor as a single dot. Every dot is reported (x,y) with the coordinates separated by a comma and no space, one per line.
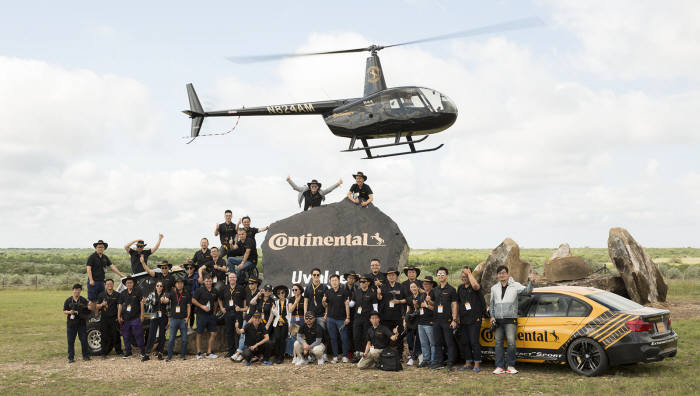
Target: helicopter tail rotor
(196,112)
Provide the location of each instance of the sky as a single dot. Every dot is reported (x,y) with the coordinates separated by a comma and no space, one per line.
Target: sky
(564,131)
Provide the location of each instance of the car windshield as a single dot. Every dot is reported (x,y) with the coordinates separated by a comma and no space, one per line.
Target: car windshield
(614,302)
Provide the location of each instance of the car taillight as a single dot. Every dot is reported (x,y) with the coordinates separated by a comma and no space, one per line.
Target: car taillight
(638,325)
(669,323)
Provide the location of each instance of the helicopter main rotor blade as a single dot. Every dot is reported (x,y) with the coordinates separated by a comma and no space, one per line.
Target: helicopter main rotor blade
(265,58)
(515,24)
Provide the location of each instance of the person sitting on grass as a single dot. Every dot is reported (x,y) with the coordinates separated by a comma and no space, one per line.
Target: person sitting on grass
(257,341)
(204,299)
(76,310)
(378,338)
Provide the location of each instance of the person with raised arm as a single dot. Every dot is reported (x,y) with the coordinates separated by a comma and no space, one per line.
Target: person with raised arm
(312,195)
(136,265)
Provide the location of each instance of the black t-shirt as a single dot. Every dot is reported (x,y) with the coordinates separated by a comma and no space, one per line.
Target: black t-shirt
(251,231)
(312,200)
(110,310)
(249,243)
(265,306)
(216,274)
(310,334)
(168,281)
(315,296)
(232,298)
(444,296)
(299,308)
(425,315)
(252,308)
(503,290)
(76,320)
(200,258)
(131,304)
(253,334)
(386,309)
(378,277)
(181,300)
(136,266)
(336,302)
(379,337)
(226,232)
(363,192)
(364,302)
(98,265)
(204,297)
(406,287)
(471,304)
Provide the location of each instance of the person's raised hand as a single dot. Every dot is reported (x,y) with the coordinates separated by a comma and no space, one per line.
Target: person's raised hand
(160,236)
(289,178)
(340,181)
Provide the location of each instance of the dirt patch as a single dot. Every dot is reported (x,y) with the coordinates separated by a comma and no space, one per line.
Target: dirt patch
(684,309)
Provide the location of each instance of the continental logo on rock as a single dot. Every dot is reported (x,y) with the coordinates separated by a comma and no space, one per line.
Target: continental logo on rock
(281,240)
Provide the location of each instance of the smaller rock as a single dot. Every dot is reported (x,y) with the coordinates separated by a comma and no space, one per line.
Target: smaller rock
(478,271)
(566,268)
(563,251)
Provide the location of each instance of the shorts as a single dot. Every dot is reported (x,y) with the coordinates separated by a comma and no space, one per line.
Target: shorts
(206,322)
(94,291)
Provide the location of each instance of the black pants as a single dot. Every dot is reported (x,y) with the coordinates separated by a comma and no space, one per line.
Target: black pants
(442,334)
(111,335)
(392,324)
(81,332)
(157,325)
(351,334)
(469,338)
(359,332)
(230,330)
(279,340)
(262,350)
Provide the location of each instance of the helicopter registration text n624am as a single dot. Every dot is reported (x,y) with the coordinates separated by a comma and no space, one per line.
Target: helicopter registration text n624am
(396,113)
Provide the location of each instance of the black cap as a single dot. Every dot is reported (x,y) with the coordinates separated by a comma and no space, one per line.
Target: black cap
(267,287)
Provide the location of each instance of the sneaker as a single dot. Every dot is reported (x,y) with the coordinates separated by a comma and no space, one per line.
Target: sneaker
(345,359)
(320,361)
(237,357)
(126,355)
(423,364)
(410,362)
(295,360)
(160,356)
(420,358)
(167,359)
(266,363)
(302,362)
(248,363)
(476,370)
(86,358)
(465,367)
(499,370)
(512,370)
(335,360)
(199,355)
(145,358)
(325,357)
(211,356)
(71,360)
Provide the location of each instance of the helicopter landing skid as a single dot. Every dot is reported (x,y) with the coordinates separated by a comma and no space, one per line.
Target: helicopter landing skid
(397,142)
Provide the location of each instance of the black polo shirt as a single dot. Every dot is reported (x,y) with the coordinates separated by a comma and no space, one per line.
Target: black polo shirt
(364,301)
(232,298)
(362,192)
(131,304)
(226,232)
(200,258)
(76,320)
(312,200)
(378,277)
(110,310)
(471,304)
(406,287)
(425,315)
(136,266)
(181,300)
(265,306)
(251,231)
(98,265)
(386,309)
(204,296)
(216,274)
(336,302)
(168,280)
(253,334)
(444,296)
(311,333)
(315,296)
(379,338)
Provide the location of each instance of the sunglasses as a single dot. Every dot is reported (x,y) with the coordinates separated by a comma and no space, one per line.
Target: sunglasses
(295,290)
(315,274)
(364,281)
(159,285)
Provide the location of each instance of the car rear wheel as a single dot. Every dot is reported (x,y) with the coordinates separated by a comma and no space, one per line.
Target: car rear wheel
(587,357)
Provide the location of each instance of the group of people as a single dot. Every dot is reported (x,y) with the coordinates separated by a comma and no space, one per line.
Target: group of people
(332,321)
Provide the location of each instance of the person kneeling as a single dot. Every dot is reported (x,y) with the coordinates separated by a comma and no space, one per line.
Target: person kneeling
(257,341)
(378,338)
(309,341)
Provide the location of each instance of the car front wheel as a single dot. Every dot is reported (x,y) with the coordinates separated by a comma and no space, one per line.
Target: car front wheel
(587,357)
(95,338)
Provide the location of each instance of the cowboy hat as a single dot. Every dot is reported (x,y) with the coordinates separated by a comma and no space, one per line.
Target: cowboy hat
(165,263)
(351,273)
(411,267)
(254,280)
(276,290)
(394,270)
(140,243)
(100,242)
(128,277)
(364,177)
(314,181)
(430,279)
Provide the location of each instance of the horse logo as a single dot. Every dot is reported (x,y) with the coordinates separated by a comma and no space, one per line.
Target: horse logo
(380,240)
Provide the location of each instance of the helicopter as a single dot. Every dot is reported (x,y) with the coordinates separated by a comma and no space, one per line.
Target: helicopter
(381,113)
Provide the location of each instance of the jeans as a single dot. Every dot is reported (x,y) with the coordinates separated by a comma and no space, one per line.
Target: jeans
(336,326)
(81,332)
(414,344)
(509,329)
(133,328)
(296,320)
(442,334)
(157,325)
(241,339)
(427,342)
(175,325)
(233,266)
(469,338)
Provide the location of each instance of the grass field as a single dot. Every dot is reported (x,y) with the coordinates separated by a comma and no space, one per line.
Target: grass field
(33,361)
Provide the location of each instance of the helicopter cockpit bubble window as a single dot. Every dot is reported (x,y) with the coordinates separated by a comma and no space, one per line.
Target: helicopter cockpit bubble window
(438,101)
(412,100)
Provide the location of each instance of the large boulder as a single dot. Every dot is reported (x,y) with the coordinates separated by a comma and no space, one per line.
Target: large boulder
(609,282)
(220,344)
(478,270)
(563,251)
(566,268)
(508,254)
(642,278)
(336,238)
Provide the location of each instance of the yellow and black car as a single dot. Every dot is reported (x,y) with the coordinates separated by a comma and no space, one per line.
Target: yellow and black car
(588,328)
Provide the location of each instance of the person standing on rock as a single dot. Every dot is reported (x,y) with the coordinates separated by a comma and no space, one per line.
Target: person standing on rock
(312,195)
(76,310)
(360,193)
(504,315)
(226,230)
(203,255)
(445,320)
(95,268)
(136,265)
(472,307)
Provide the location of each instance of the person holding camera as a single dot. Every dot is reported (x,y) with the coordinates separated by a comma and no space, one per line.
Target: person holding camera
(504,316)
(472,308)
(76,310)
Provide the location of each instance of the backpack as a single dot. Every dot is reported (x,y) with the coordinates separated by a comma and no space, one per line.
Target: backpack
(389,360)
